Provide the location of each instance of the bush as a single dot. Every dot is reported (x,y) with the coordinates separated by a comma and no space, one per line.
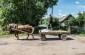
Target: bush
(36,30)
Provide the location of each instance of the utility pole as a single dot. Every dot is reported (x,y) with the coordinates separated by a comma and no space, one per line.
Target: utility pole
(52,11)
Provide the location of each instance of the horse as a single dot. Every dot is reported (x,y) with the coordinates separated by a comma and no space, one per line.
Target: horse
(21,28)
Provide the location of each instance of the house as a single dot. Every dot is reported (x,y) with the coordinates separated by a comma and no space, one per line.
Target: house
(63,19)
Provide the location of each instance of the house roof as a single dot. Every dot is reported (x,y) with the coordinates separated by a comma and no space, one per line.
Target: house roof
(64,18)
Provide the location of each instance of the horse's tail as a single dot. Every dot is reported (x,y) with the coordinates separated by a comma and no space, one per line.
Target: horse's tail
(32,30)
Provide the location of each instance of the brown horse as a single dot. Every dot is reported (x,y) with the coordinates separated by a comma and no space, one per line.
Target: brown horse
(21,28)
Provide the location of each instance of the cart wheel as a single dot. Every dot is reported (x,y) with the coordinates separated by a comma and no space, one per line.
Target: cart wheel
(64,36)
(59,35)
(43,37)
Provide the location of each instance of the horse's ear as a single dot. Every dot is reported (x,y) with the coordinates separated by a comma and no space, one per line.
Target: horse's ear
(8,26)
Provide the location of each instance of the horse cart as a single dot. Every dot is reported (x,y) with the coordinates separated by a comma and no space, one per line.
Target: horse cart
(61,34)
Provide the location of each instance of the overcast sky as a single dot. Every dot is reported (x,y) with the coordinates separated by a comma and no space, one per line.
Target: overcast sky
(65,7)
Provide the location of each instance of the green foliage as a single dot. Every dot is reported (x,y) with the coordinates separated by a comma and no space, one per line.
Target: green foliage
(55,23)
(0,13)
(25,11)
(82,34)
(76,22)
(71,21)
(36,31)
(81,19)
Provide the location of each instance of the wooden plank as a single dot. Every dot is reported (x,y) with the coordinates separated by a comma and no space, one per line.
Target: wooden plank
(55,32)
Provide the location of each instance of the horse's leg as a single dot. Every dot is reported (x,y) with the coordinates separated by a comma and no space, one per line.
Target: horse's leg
(32,36)
(27,36)
(16,35)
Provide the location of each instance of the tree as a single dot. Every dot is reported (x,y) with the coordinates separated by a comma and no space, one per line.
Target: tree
(25,11)
(81,19)
(56,23)
(71,21)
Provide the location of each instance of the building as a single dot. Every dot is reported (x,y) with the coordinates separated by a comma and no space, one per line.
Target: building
(63,19)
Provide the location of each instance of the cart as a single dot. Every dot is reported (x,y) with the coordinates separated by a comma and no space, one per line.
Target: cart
(61,34)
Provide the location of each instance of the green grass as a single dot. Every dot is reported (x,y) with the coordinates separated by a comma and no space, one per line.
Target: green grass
(82,34)
(5,35)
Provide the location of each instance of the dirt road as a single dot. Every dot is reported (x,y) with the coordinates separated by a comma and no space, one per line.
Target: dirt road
(53,46)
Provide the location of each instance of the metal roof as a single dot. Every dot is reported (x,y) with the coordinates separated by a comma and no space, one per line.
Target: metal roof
(64,18)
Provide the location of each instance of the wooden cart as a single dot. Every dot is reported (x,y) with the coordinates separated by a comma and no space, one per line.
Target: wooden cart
(61,34)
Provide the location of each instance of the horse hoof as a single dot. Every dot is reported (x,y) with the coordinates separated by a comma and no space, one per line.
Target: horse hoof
(27,38)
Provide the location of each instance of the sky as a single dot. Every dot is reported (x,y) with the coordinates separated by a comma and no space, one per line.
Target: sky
(65,7)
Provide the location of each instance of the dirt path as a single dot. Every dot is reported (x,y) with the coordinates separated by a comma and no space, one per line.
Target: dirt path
(53,46)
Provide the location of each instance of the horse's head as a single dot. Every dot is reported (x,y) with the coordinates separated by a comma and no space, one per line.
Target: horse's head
(10,26)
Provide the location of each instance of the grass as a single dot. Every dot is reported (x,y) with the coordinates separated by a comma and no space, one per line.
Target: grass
(5,35)
(82,34)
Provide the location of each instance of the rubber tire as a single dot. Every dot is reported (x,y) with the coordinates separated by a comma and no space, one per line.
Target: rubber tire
(64,36)
(43,38)
(59,35)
